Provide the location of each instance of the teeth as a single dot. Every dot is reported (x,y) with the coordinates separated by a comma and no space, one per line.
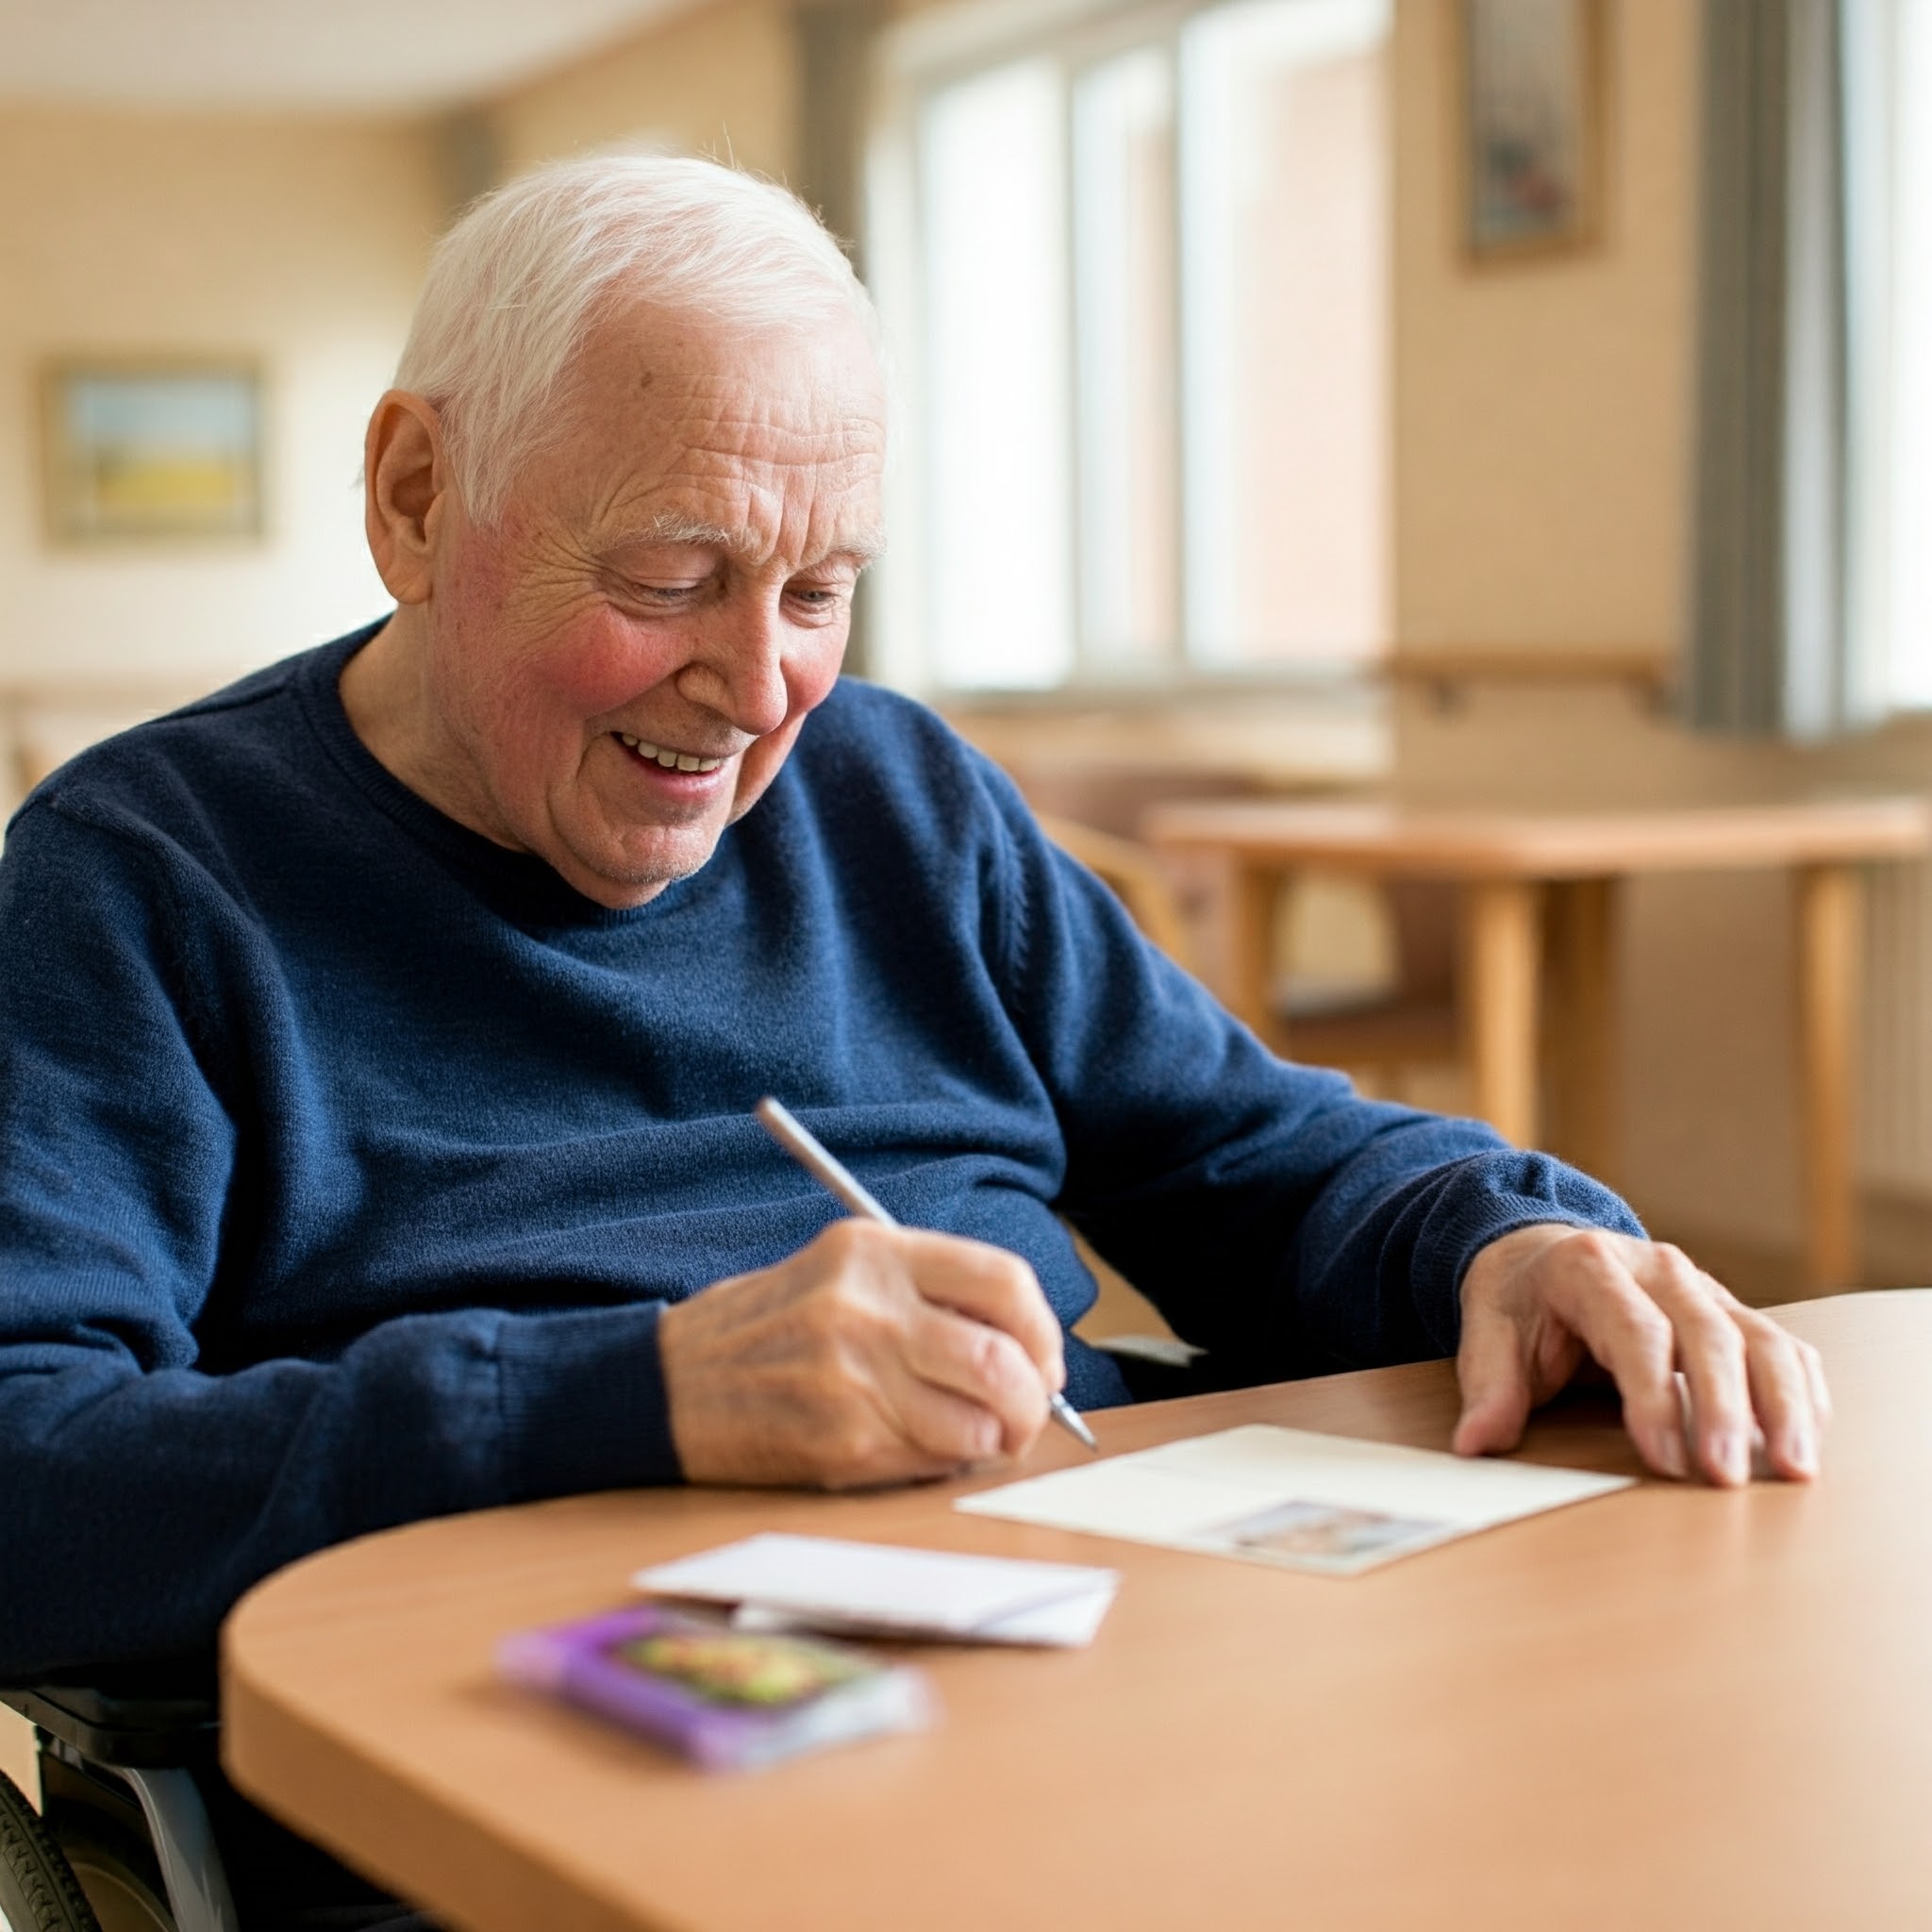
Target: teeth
(670,760)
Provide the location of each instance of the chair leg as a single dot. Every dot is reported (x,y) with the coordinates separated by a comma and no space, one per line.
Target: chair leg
(1829,912)
(1586,1043)
(1502,955)
(185,1845)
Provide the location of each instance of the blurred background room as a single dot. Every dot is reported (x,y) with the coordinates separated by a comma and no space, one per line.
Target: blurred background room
(1507,407)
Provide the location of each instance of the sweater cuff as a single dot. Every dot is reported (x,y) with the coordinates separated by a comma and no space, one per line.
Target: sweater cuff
(583,1402)
(1500,1193)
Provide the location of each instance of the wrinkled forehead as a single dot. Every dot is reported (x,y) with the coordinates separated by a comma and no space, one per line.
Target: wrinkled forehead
(775,435)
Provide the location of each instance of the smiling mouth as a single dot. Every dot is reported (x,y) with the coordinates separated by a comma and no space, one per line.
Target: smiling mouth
(671,759)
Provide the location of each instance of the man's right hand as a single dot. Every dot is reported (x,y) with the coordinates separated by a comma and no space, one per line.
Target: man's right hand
(875,1354)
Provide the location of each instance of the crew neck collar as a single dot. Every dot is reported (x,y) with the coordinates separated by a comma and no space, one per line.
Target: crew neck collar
(520,885)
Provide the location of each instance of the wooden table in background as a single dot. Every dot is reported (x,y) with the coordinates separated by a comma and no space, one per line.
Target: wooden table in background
(1531,878)
(1674,1707)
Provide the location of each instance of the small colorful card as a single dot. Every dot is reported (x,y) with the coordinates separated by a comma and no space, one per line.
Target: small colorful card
(725,1699)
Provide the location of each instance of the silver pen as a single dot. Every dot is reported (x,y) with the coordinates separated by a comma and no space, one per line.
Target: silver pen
(803,1147)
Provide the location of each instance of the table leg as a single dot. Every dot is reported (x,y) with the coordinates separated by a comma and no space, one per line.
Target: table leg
(1239,944)
(1501,956)
(1586,1034)
(1829,902)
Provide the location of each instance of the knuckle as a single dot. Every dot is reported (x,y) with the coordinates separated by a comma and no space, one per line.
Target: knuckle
(1760,1328)
(1644,1321)
(840,1314)
(1009,1275)
(980,1354)
(844,1293)
(1018,1274)
(1593,1247)
(1717,1292)
(825,1312)
(839,1242)
(854,1243)
(848,1445)
(1715,1334)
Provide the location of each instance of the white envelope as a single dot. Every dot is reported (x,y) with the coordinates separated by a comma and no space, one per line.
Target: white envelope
(822,1583)
(1288,1497)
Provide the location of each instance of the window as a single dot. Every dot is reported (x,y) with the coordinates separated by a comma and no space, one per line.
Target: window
(1901,493)
(1142,299)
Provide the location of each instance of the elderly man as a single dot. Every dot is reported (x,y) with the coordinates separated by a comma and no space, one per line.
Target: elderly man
(378,1037)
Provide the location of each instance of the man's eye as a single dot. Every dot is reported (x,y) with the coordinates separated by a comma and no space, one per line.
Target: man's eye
(661,593)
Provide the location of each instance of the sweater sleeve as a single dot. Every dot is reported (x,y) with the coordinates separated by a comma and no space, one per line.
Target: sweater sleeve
(1276,1219)
(140,1492)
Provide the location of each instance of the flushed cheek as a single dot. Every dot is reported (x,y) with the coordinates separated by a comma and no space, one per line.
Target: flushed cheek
(595,664)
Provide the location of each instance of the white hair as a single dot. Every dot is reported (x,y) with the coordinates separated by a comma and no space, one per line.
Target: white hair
(516,286)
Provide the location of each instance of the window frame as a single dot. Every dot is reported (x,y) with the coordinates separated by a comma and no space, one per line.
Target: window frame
(919,59)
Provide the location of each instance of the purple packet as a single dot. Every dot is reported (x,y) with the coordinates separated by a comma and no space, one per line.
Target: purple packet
(728,1700)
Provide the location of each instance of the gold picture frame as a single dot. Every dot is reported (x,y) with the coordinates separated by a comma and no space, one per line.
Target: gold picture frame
(153,448)
(1530,128)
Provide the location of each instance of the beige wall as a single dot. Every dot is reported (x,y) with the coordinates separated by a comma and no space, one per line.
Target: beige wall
(720,80)
(1542,444)
(1541,406)
(299,242)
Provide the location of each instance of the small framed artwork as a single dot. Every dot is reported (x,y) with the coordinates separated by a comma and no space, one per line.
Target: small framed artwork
(153,448)
(1531,127)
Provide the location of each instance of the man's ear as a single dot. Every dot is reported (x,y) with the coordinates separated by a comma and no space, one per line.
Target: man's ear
(405,492)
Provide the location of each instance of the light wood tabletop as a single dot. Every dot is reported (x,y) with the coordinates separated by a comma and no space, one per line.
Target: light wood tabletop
(1540,912)
(1673,1707)
(1511,845)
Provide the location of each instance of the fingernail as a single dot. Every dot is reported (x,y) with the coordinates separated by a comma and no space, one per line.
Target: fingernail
(1801,1451)
(1730,1456)
(1670,1453)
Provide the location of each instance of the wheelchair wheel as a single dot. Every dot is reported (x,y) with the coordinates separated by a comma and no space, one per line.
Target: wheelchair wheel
(39,1892)
(122,1882)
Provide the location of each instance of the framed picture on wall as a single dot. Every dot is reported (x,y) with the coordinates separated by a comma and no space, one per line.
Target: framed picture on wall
(1531,125)
(163,447)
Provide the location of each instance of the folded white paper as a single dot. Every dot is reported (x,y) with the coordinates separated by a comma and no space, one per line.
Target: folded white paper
(1327,1504)
(1068,1624)
(791,1582)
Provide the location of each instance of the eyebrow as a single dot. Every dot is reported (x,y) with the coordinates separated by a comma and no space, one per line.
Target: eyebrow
(672,527)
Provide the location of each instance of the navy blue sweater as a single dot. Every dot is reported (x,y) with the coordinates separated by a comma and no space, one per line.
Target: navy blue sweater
(346,1160)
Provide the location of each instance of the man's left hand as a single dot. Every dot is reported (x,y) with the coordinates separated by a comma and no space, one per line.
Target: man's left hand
(1540,1303)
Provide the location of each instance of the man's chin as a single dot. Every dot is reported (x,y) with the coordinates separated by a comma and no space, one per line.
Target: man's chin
(622,877)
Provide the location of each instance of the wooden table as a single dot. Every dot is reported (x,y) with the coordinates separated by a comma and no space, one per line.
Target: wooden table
(1536,886)
(1673,1708)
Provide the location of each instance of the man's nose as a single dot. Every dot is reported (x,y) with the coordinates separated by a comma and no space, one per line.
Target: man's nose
(740,670)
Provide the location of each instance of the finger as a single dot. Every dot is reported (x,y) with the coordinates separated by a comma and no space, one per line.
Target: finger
(1781,1393)
(1814,1375)
(984,1369)
(1492,1368)
(946,1431)
(1631,1338)
(992,1287)
(1710,1351)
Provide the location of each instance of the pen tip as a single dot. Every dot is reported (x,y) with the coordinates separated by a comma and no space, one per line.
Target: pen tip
(1070,1417)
